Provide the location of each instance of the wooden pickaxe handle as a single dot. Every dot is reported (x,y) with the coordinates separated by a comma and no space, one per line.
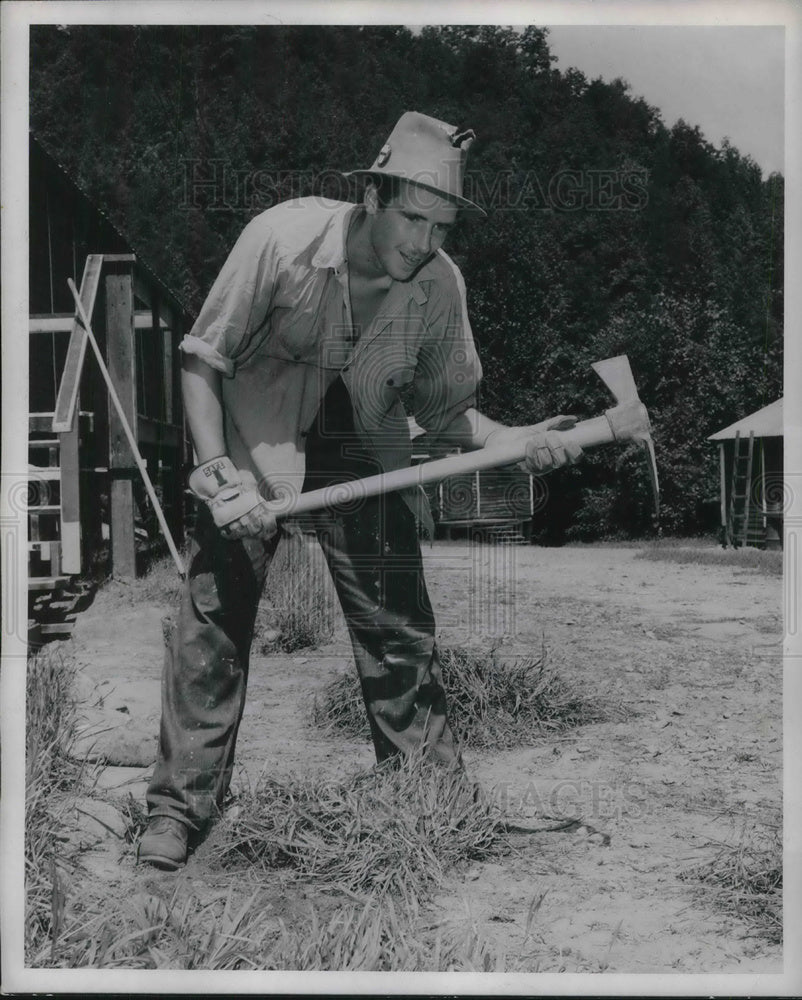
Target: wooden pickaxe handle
(628,421)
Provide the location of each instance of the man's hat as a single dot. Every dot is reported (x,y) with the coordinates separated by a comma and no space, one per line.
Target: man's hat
(427,152)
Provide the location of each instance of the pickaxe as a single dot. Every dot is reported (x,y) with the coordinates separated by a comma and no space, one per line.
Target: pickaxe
(626,421)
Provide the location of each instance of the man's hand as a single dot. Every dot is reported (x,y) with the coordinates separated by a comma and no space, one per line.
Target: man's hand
(233,498)
(546,447)
(549,450)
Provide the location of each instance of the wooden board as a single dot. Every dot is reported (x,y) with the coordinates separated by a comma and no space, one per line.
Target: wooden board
(120,341)
(66,403)
(69,457)
(57,628)
(47,583)
(63,322)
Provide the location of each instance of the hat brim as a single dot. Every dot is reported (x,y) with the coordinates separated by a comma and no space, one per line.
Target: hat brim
(458,200)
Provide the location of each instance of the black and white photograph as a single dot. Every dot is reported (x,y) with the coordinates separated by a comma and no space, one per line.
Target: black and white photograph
(400,507)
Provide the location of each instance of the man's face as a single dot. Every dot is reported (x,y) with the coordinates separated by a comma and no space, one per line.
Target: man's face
(409,229)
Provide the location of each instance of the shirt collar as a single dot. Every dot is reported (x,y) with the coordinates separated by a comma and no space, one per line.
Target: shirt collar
(331,254)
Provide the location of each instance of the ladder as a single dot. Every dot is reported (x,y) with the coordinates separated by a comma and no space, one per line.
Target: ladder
(744,521)
(53,595)
(44,507)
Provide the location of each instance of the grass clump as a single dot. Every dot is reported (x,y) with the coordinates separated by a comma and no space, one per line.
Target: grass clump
(375,937)
(747,880)
(299,607)
(50,717)
(500,703)
(340,708)
(395,830)
(157,582)
(234,930)
(492,702)
(160,584)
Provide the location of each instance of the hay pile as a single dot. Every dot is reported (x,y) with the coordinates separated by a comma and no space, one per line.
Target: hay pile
(299,609)
(747,879)
(395,830)
(492,702)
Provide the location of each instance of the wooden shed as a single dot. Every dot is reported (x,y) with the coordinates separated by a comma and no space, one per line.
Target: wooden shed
(86,501)
(751,486)
(496,504)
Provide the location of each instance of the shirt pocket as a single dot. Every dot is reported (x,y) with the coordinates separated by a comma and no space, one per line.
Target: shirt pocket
(400,377)
(292,339)
(299,320)
(381,375)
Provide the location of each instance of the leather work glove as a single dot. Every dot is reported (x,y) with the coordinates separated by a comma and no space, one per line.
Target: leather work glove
(233,498)
(546,448)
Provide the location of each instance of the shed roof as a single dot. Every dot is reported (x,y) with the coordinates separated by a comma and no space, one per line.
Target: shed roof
(767,422)
(44,161)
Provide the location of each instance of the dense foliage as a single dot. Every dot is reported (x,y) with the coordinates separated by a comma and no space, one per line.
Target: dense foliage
(608,231)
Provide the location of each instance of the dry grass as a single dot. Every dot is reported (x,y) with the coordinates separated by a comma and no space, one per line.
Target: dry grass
(492,702)
(395,830)
(385,837)
(746,879)
(685,552)
(341,709)
(299,608)
(384,938)
(49,771)
(498,703)
(370,849)
(160,584)
(238,930)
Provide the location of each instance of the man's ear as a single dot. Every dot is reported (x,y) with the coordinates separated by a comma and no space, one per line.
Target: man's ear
(371,199)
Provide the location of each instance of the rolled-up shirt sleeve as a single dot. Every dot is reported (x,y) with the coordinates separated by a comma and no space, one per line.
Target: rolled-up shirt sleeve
(234,318)
(448,372)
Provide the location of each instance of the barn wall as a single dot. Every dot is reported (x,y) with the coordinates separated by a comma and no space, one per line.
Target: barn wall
(65,228)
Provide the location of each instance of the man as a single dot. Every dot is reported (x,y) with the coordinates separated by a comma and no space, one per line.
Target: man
(323,315)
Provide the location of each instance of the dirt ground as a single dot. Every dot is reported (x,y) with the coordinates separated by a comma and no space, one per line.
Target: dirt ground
(686,658)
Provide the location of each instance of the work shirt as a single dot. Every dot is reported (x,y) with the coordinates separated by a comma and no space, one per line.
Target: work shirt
(277,324)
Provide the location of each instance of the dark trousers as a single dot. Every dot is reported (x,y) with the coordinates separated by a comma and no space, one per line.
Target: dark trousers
(373,554)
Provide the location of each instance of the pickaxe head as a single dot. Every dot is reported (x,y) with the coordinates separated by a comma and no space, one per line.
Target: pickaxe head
(629,420)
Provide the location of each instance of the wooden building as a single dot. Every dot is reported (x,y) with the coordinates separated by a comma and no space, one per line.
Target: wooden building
(494,504)
(751,480)
(86,500)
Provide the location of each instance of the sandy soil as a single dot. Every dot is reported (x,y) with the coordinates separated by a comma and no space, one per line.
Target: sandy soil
(685,657)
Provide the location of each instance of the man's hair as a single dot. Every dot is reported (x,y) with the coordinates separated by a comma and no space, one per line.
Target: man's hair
(387,187)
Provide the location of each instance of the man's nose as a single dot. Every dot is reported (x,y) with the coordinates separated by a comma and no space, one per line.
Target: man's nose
(423,240)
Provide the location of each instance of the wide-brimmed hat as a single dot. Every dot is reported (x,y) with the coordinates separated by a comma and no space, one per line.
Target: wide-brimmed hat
(427,152)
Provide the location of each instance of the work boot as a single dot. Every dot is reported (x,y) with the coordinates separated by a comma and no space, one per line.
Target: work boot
(164,844)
